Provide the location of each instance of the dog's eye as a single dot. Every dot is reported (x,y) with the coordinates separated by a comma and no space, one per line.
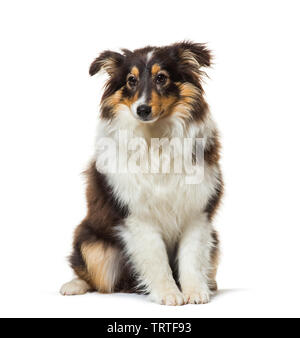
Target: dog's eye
(161,79)
(132,81)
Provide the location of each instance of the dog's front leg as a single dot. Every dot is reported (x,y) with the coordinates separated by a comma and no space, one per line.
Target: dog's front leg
(148,254)
(194,261)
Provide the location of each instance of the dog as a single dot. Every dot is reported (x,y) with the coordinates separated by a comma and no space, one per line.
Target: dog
(147,232)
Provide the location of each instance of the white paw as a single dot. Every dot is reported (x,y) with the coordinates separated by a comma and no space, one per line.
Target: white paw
(197,296)
(170,297)
(74,287)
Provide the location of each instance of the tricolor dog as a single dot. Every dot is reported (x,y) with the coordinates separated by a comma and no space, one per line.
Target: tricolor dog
(149,231)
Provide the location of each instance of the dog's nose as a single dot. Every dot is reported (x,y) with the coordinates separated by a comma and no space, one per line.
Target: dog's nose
(143,111)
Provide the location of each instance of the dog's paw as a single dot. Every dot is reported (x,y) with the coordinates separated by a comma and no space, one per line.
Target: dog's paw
(74,287)
(168,297)
(197,296)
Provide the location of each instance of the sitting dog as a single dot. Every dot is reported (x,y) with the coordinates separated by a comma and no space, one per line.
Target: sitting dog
(151,232)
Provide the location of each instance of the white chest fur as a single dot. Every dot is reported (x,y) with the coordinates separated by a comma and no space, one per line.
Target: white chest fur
(164,200)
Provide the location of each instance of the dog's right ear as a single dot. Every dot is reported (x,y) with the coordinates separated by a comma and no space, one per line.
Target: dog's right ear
(107,60)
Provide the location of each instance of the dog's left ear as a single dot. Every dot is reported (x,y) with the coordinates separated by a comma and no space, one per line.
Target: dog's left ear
(195,54)
(107,60)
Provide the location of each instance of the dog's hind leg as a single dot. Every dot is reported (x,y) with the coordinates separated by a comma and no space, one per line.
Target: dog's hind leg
(103,265)
(98,266)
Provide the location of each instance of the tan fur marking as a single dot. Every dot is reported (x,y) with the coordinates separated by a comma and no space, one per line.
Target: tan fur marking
(161,104)
(135,72)
(129,101)
(102,265)
(155,69)
(189,94)
(114,99)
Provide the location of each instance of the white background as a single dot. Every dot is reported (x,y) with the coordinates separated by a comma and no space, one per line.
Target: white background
(49,108)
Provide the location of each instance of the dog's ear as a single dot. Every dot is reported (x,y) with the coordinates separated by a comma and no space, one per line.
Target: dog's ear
(195,54)
(107,60)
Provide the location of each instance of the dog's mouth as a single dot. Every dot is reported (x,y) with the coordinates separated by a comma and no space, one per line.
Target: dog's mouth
(150,118)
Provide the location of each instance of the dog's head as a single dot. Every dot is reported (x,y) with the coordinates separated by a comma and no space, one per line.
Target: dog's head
(154,82)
